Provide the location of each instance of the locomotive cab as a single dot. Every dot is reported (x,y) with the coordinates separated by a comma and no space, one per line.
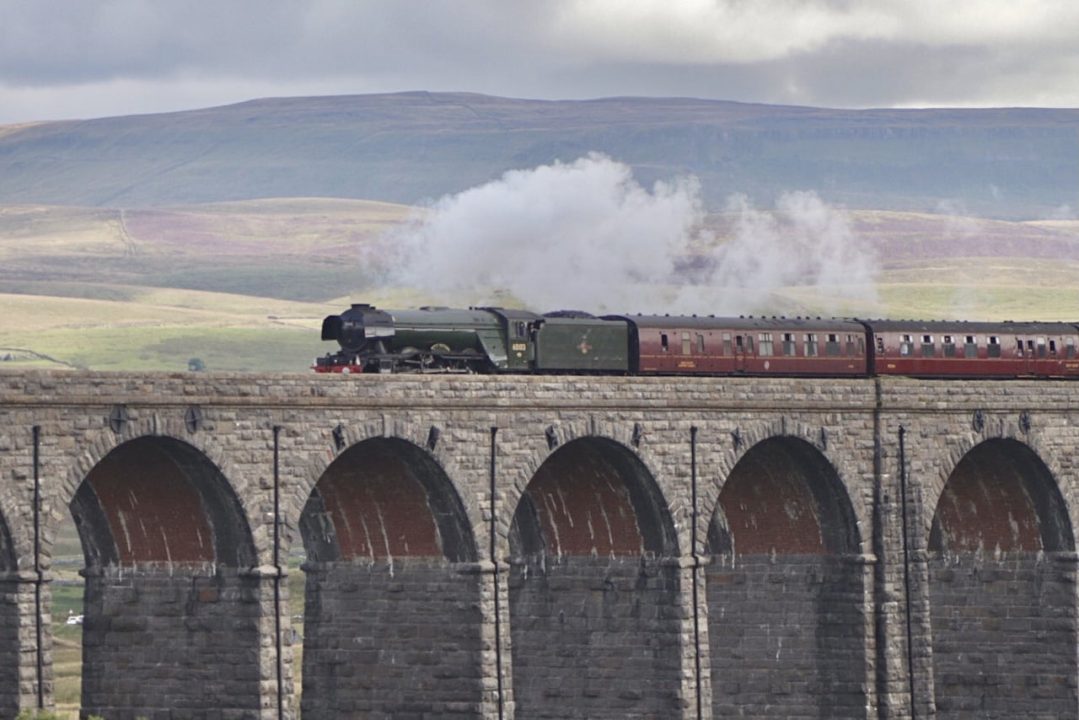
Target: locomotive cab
(519,329)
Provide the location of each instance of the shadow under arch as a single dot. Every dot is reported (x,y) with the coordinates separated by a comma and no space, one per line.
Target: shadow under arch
(168,555)
(592,496)
(386,498)
(1001,497)
(595,601)
(786,587)
(1002,576)
(160,500)
(392,619)
(783,497)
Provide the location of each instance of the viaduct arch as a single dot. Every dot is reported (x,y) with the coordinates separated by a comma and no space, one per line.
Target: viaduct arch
(1003,624)
(390,559)
(520,547)
(590,550)
(784,525)
(162,529)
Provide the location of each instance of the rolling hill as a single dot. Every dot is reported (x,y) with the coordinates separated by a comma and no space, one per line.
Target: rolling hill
(244,285)
(225,234)
(404,148)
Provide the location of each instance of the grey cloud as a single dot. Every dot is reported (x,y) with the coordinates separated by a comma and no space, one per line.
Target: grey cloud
(64,42)
(839,53)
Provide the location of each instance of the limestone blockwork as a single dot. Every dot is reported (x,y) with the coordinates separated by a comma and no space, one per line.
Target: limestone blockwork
(544,547)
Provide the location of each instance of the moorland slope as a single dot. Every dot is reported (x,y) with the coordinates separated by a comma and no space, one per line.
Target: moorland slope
(406,147)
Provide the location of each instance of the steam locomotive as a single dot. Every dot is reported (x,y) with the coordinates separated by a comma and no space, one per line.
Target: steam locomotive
(499,340)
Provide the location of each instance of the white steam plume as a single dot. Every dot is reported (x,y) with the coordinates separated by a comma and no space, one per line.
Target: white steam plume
(803,243)
(585,235)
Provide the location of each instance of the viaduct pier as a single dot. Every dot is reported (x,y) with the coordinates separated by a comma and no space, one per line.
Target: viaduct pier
(545,547)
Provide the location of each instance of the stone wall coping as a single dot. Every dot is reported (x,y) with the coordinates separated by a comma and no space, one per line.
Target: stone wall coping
(53,388)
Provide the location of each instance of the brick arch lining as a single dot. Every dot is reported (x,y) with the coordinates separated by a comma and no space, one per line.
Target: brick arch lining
(1001,497)
(157,499)
(784,497)
(384,498)
(592,497)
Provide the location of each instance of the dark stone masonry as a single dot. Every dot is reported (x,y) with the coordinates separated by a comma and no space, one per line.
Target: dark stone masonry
(539,547)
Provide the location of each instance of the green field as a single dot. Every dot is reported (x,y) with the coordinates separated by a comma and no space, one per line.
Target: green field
(243,286)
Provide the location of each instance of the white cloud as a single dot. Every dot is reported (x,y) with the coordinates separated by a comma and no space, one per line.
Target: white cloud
(706,31)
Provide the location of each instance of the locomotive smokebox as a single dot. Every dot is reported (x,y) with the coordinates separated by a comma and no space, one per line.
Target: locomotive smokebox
(354,327)
(331,327)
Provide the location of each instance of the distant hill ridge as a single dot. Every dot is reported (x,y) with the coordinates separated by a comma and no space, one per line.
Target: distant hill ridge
(408,147)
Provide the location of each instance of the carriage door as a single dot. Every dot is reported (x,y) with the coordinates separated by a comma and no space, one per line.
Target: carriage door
(743,345)
(1025,355)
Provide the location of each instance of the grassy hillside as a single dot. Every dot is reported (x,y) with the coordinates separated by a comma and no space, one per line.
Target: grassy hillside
(239,286)
(243,286)
(1017,163)
(301,249)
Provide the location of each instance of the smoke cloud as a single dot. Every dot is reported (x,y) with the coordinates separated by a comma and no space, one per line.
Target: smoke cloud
(586,235)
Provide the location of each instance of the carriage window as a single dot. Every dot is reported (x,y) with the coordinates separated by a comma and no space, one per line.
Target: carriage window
(726,343)
(850,344)
(1053,348)
(663,345)
(1030,348)
(949,346)
(880,345)
(700,344)
(1041,347)
(927,346)
(970,346)
(811,345)
(766,343)
(687,349)
(861,345)
(1069,347)
(994,346)
(519,329)
(831,347)
(749,344)
(906,345)
(738,343)
(788,344)
(1019,347)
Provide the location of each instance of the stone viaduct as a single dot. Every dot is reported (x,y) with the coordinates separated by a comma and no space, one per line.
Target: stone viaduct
(545,547)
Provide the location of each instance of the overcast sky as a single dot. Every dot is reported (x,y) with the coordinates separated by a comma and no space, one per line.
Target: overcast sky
(93,58)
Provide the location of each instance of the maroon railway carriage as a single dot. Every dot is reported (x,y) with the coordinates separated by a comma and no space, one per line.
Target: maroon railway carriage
(662,344)
(974,349)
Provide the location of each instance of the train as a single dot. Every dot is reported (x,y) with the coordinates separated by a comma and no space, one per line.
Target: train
(500,340)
